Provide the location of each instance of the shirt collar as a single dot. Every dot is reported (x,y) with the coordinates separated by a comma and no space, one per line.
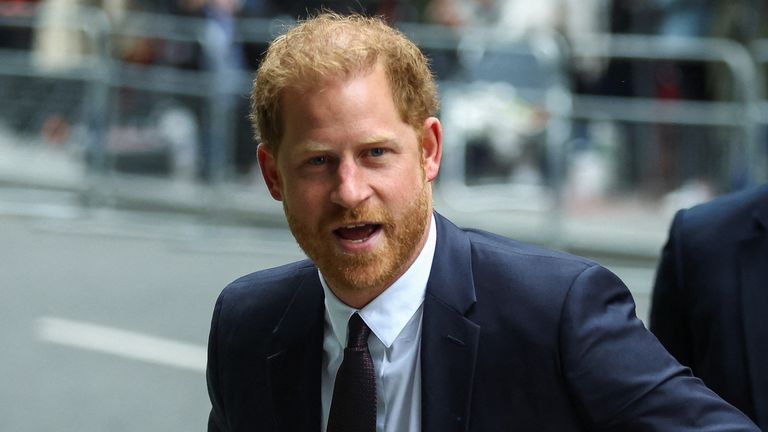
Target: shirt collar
(387,314)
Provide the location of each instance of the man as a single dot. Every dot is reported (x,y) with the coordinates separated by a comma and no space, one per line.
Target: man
(711,295)
(449,330)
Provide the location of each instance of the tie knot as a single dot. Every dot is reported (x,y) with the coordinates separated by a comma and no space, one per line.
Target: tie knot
(358,332)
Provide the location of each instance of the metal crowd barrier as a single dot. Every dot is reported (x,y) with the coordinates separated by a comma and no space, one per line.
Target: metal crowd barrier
(544,89)
(742,114)
(759,51)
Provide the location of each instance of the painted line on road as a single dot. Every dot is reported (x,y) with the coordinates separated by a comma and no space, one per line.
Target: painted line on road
(122,343)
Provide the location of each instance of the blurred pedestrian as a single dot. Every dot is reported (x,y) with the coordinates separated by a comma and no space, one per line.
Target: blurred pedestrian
(17,37)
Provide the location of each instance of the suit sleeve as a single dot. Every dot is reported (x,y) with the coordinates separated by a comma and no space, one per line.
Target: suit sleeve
(622,378)
(669,303)
(216,421)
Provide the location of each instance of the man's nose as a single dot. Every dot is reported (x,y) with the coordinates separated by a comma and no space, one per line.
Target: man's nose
(351,187)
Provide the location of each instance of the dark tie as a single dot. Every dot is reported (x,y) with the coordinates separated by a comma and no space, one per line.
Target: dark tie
(353,407)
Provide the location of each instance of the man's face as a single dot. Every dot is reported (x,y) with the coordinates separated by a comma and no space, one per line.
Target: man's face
(355,181)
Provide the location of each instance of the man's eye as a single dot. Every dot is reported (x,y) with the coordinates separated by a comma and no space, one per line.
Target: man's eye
(319,160)
(378,151)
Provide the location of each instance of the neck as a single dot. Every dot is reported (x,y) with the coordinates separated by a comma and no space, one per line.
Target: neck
(354,297)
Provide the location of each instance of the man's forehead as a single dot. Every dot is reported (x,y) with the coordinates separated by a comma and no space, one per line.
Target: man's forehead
(299,93)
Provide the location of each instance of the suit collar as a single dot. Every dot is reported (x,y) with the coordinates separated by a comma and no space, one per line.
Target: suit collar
(451,280)
(745,213)
(761,213)
(294,359)
(754,296)
(449,339)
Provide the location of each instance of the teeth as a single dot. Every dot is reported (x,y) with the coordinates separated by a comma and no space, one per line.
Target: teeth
(355,226)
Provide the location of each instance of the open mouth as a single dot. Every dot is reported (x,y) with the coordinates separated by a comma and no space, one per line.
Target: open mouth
(357,233)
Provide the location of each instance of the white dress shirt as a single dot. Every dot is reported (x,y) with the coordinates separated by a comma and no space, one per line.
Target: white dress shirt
(394,318)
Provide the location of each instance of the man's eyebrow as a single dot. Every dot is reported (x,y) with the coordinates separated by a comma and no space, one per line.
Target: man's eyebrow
(313,146)
(316,146)
(379,139)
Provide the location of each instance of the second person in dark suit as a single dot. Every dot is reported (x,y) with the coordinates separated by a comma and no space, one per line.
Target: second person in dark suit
(710,300)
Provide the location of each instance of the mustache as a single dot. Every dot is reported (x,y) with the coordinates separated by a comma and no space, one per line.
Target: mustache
(363,213)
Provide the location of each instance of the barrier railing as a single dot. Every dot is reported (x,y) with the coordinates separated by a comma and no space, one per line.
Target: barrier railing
(532,73)
(743,113)
(759,51)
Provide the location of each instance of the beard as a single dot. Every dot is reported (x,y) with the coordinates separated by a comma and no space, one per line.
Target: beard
(372,270)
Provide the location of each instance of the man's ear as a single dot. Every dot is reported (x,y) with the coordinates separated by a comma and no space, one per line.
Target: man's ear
(268,165)
(431,147)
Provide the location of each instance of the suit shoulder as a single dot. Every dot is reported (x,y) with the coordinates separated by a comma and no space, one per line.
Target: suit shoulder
(522,272)
(727,215)
(496,247)
(267,288)
(271,276)
(533,281)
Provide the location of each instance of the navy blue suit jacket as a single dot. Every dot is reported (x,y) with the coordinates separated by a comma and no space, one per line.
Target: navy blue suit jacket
(711,297)
(514,337)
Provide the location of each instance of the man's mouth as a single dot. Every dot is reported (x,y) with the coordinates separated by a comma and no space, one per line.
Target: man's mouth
(357,233)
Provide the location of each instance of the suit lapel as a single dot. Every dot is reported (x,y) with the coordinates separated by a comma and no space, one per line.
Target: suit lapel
(754,294)
(295,359)
(449,340)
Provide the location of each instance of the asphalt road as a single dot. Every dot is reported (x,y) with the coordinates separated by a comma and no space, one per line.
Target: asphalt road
(104,314)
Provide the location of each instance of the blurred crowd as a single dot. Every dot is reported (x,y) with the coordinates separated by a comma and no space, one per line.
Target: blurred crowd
(681,154)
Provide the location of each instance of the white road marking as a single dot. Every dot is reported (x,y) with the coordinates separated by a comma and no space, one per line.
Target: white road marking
(123,343)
